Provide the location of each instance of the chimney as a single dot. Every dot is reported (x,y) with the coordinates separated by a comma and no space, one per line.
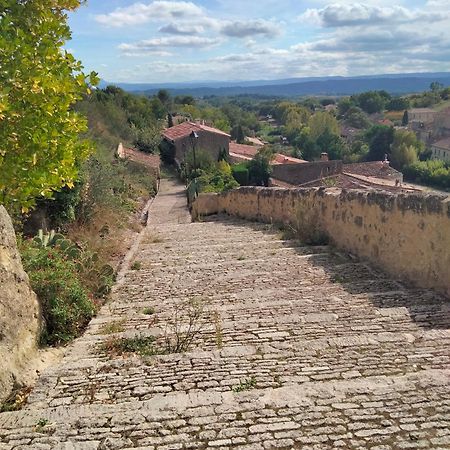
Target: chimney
(324,156)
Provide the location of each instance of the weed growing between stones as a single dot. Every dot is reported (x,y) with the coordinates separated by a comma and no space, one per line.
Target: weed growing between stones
(149,311)
(140,345)
(188,322)
(245,385)
(136,265)
(41,423)
(113,327)
(16,400)
(153,239)
(218,328)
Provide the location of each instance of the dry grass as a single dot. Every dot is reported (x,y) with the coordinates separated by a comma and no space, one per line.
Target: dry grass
(118,326)
(153,239)
(106,235)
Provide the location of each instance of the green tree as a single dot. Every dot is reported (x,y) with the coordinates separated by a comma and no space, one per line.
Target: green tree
(372,101)
(405,149)
(238,134)
(380,138)
(323,122)
(39,83)
(435,86)
(397,104)
(169,120)
(405,118)
(356,117)
(259,167)
(148,139)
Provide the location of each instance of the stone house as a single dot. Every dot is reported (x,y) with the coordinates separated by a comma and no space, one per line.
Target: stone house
(425,115)
(441,150)
(188,135)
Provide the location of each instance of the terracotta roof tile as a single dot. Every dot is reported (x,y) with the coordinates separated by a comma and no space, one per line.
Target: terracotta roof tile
(184,129)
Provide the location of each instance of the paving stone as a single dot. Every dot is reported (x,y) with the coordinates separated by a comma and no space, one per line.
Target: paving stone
(287,356)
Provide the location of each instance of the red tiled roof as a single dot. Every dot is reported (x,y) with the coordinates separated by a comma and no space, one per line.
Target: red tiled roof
(184,129)
(376,169)
(244,150)
(443,143)
(283,159)
(248,152)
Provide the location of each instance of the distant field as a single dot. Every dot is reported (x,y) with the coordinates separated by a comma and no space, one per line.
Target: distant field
(442,106)
(394,115)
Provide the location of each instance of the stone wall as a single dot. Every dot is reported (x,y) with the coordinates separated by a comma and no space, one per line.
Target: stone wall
(211,143)
(408,235)
(301,173)
(19,311)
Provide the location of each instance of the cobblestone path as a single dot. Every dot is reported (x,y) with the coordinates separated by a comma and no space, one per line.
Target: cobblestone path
(304,348)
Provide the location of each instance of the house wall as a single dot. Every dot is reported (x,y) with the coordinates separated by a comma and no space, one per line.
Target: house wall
(210,142)
(421,116)
(440,153)
(298,174)
(407,235)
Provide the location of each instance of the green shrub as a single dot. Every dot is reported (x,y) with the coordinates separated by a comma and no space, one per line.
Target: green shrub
(65,302)
(241,174)
(431,172)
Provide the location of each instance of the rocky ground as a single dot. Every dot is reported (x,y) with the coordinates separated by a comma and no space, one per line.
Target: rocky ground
(293,347)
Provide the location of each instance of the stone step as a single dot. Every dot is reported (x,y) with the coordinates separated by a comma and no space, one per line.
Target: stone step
(354,413)
(98,379)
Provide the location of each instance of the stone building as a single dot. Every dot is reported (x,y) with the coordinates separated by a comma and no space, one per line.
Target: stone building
(441,150)
(188,135)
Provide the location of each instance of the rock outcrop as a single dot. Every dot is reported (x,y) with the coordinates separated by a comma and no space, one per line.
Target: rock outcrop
(19,311)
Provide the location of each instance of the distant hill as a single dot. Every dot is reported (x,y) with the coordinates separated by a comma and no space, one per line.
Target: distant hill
(295,87)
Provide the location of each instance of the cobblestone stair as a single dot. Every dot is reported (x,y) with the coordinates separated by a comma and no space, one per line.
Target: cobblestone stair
(302,348)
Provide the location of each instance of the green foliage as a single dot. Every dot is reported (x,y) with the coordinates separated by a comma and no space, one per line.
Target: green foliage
(432,172)
(323,122)
(148,138)
(259,167)
(167,152)
(238,134)
(355,117)
(372,101)
(137,265)
(140,345)
(405,149)
(65,302)
(245,385)
(398,104)
(380,138)
(39,83)
(405,118)
(241,174)
(217,178)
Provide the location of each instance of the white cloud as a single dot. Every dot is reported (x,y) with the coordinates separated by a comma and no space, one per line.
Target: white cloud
(157,46)
(140,13)
(173,28)
(248,28)
(344,15)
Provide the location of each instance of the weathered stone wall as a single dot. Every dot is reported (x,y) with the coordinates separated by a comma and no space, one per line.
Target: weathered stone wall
(209,142)
(301,173)
(408,235)
(19,311)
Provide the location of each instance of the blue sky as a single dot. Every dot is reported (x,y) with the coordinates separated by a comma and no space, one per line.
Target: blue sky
(173,41)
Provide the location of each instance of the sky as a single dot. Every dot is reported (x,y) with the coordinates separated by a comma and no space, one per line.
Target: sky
(163,41)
